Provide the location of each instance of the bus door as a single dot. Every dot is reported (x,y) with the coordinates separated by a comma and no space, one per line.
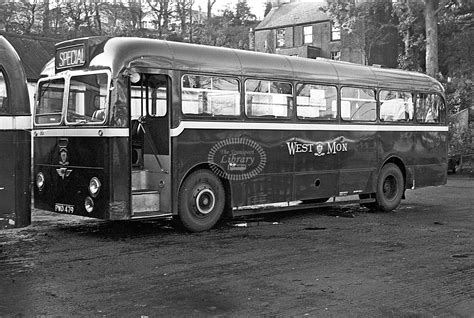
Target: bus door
(150,144)
(15,140)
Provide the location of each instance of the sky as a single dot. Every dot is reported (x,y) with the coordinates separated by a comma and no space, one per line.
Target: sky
(256,6)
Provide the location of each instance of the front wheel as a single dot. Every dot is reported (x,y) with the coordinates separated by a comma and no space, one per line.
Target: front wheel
(390,188)
(201,201)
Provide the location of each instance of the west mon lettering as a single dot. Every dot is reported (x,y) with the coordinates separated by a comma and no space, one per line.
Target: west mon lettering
(318,149)
(70,57)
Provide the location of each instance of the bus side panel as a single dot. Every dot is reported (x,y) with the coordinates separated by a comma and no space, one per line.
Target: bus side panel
(357,152)
(15,156)
(274,182)
(316,170)
(432,161)
(398,145)
(264,169)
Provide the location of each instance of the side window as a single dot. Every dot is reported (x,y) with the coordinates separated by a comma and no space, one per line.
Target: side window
(149,96)
(358,104)
(3,94)
(268,98)
(430,108)
(396,106)
(316,101)
(210,95)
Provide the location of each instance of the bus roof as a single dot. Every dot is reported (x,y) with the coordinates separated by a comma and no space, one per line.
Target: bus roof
(120,53)
(16,102)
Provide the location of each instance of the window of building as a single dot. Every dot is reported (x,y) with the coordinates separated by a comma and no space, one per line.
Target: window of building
(308,34)
(3,94)
(358,104)
(316,101)
(268,98)
(430,108)
(280,41)
(336,55)
(210,95)
(335,31)
(396,106)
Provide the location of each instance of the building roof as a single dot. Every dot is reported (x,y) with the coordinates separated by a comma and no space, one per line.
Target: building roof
(34,52)
(293,13)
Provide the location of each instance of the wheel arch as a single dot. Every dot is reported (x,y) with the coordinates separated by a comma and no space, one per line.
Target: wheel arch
(401,165)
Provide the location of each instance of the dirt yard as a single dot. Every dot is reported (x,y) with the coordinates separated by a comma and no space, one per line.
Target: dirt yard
(417,261)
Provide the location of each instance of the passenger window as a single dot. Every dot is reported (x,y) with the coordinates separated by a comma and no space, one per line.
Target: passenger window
(358,104)
(268,98)
(3,94)
(210,95)
(430,108)
(316,101)
(396,106)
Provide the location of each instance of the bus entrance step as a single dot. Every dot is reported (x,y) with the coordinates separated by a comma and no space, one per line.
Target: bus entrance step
(140,179)
(145,201)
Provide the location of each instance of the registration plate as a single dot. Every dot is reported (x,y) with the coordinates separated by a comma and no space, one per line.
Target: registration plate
(63,208)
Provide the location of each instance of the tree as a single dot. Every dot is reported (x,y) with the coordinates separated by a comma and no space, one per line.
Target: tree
(229,30)
(367,26)
(162,11)
(411,29)
(431,9)
(210,4)
(184,14)
(456,44)
(268,8)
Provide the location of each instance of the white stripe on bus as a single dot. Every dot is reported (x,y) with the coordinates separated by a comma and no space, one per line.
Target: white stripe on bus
(82,132)
(124,132)
(299,127)
(15,123)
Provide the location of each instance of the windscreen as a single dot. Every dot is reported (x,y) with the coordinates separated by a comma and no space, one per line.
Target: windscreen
(50,101)
(87,100)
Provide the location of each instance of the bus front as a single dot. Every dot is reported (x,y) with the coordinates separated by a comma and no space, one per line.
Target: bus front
(78,142)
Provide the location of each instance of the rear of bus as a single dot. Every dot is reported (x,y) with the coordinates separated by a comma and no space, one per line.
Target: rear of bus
(78,144)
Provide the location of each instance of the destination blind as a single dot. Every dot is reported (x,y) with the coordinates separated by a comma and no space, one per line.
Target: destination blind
(72,56)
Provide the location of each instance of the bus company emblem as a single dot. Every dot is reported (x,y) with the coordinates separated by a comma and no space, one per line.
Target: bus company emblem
(319,148)
(63,161)
(63,157)
(237,159)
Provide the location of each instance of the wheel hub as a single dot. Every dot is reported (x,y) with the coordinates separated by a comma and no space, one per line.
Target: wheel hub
(390,188)
(205,201)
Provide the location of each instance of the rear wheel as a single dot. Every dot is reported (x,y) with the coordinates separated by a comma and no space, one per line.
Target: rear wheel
(201,201)
(390,188)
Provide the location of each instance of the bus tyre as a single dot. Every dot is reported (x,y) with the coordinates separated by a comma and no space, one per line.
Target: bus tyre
(201,201)
(390,188)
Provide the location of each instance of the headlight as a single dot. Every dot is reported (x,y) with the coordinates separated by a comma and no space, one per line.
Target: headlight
(40,181)
(89,204)
(94,187)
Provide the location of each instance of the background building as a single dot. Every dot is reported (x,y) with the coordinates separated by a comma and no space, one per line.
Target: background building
(301,28)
